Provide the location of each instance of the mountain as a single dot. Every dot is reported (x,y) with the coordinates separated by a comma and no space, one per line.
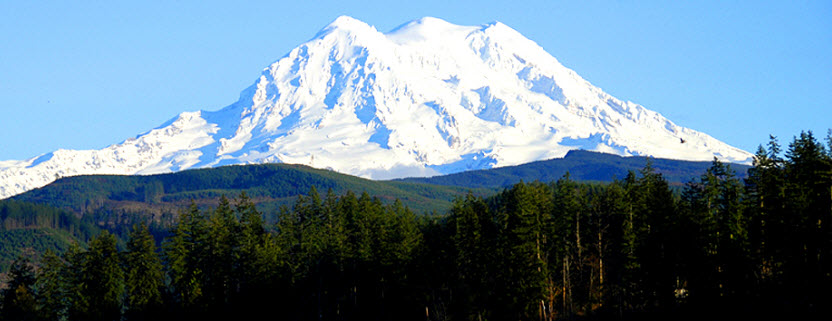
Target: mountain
(426,98)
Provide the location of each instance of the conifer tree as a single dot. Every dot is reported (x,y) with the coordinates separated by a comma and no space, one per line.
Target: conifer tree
(253,238)
(569,252)
(808,193)
(18,298)
(527,208)
(471,222)
(78,300)
(185,254)
(223,244)
(51,287)
(714,236)
(611,209)
(103,279)
(144,275)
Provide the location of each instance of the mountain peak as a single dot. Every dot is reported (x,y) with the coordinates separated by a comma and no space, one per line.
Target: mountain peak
(346,24)
(427,29)
(424,23)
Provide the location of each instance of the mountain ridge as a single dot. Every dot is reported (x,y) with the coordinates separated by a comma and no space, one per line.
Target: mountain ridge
(582,165)
(427,98)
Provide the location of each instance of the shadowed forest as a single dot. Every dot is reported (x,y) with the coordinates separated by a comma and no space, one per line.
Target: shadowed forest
(718,248)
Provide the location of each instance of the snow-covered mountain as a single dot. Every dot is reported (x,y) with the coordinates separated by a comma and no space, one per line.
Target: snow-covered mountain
(426,98)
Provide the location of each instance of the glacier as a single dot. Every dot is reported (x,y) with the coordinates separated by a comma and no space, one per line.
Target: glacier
(426,98)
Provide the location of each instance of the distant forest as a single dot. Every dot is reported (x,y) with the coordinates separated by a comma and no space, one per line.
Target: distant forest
(722,248)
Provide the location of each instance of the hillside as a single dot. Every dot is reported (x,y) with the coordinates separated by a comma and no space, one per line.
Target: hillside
(269,185)
(581,165)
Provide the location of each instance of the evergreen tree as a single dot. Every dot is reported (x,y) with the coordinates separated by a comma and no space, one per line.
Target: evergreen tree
(471,221)
(654,210)
(568,252)
(51,287)
(523,239)
(102,279)
(144,276)
(253,237)
(715,237)
(185,254)
(223,243)
(809,210)
(77,297)
(18,298)
(611,215)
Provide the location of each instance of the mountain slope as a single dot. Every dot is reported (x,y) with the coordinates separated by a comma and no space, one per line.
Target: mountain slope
(426,98)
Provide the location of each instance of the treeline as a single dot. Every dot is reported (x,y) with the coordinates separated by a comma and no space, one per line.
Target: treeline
(723,248)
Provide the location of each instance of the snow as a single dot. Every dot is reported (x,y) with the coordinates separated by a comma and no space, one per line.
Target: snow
(427,98)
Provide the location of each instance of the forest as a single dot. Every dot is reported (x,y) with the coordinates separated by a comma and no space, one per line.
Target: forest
(721,247)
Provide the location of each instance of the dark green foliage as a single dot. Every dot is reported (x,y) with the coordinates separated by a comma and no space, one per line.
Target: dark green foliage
(629,249)
(51,287)
(39,228)
(186,253)
(101,283)
(580,164)
(144,278)
(19,301)
(268,185)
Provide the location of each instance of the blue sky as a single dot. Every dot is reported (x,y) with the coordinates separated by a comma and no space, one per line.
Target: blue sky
(84,76)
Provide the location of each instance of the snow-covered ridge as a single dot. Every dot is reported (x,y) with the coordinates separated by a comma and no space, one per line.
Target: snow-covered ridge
(426,98)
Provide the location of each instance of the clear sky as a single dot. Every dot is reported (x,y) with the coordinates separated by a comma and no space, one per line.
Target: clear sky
(84,74)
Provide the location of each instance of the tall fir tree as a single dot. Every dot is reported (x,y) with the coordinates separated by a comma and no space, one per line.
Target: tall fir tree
(144,278)
(221,268)
(51,287)
(18,298)
(185,256)
(103,279)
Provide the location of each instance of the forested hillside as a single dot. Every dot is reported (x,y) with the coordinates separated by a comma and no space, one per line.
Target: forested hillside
(34,227)
(269,186)
(581,165)
(725,248)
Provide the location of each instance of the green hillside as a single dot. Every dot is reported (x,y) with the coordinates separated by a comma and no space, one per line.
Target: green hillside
(581,165)
(269,185)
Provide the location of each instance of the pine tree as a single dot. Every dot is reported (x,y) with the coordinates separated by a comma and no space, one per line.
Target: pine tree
(652,236)
(253,236)
(470,220)
(716,259)
(185,254)
(18,298)
(611,211)
(808,190)
(568,252)
(223,243)
(51,289)
(524,238)
(144,276)
(78,300)
(103,279)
